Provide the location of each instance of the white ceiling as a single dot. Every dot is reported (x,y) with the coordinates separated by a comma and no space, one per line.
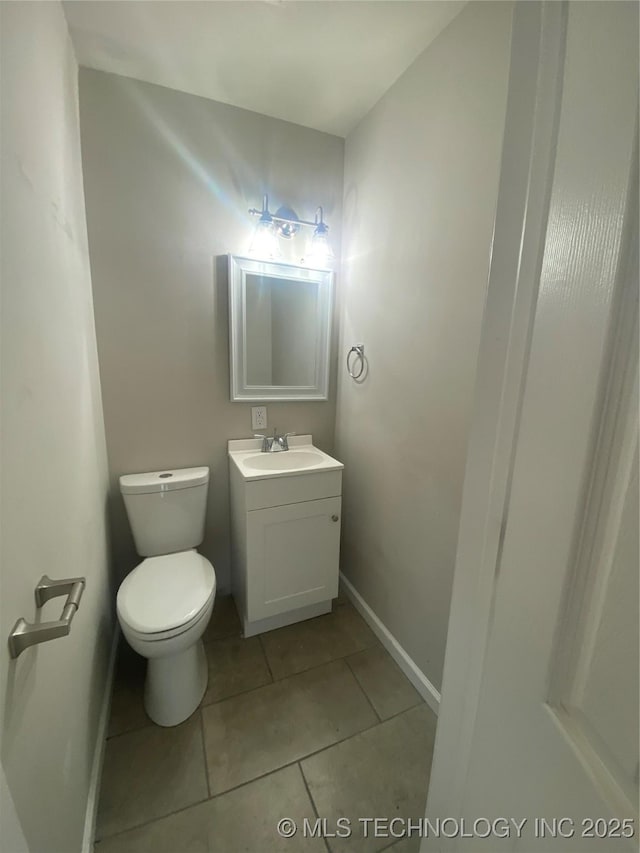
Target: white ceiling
(319,63)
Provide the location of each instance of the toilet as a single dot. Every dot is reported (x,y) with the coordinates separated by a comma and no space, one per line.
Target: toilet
(165,603)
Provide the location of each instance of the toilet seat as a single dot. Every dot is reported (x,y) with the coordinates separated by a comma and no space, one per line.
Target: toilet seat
(165,596)
(172,633)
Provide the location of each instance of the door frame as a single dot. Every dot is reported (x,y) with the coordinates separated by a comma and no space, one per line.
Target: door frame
(528,158)
(528,163)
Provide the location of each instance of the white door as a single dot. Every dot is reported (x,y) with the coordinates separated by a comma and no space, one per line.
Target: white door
(539,713)
(293,556)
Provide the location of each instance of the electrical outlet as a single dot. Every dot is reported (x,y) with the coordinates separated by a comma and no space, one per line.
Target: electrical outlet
(258,417)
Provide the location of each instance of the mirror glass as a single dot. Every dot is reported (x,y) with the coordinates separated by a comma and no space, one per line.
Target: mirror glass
(280,328)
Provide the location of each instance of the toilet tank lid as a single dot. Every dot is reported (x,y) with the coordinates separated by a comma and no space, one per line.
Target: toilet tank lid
(163,481)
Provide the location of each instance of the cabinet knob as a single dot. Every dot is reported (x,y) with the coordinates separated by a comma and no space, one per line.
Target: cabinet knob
(334,518)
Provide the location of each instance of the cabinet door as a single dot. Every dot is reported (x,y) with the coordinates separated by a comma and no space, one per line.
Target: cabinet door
(292,556)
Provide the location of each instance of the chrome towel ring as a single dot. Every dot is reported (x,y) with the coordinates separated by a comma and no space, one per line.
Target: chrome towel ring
(358,349)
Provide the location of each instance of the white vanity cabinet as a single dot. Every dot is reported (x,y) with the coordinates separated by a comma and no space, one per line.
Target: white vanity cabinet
(285,536)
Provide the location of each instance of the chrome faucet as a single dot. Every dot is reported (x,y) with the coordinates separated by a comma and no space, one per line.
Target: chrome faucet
(275,443)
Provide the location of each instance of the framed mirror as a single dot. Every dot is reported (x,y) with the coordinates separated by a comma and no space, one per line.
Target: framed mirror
(279,330)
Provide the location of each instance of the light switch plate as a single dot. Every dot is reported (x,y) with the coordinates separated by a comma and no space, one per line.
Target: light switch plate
(258,417)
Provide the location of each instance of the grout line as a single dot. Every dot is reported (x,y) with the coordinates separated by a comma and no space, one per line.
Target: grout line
(245,783)
(201,707)
(376,642)
(355,734)
(324,663)
(152,820)
(419,700)
(297,761)
(366,695)
(266,657)
(204,754)
(313,802)
(348,654)
(231,695)
(150,724)
(246,690)
(306,785)
(277,681)
(210,641)
(208,799)
(274,680)
(293,761)
(129,731)
(393,843)
(404,711)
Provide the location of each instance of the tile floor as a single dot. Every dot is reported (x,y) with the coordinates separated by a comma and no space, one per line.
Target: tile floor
(313,720)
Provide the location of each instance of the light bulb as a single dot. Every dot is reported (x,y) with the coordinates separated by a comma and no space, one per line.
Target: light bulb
(265,241)
(319,253)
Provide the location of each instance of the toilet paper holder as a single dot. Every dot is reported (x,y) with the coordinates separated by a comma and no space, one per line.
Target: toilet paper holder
(25,634)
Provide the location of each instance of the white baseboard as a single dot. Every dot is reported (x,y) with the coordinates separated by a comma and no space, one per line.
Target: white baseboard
(98,755)
(415,675)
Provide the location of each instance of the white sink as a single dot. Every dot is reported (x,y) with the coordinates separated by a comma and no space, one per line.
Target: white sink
(302,457)
(284,460)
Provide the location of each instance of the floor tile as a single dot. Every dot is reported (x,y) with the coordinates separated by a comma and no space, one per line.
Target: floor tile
(149,773)
(241,820)
(383,772)
(307,644)
(406,845)
(224,621)
(127,709)
(235,666)
(387,687)
(260,731)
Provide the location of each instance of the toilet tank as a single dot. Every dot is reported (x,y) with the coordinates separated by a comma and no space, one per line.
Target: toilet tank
(166,509)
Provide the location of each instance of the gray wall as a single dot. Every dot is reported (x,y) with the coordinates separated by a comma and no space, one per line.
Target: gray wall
(54,469)
(168,180)
(421,179)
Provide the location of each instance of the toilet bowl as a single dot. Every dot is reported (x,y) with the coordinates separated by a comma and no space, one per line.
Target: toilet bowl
(164,606)
(165,603)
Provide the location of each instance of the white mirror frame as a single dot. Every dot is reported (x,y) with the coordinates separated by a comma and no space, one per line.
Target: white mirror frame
(241,391)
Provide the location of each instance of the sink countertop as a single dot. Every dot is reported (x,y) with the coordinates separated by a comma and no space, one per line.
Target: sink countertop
(245,451)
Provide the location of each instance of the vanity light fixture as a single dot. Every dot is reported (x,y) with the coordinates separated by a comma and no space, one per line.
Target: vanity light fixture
(265,242)
(286,224)
(319,252)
